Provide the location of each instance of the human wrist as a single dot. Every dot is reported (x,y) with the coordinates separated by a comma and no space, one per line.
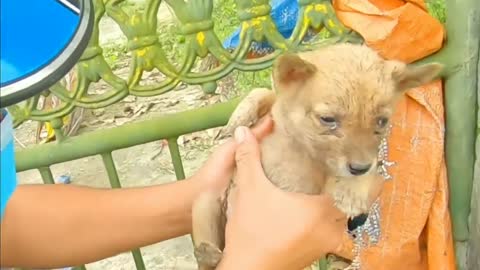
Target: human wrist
(197,185)
(229,263)
(273,259)
(256,260)
(240,262)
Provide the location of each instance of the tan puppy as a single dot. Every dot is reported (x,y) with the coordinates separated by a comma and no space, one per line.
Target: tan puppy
(331,108)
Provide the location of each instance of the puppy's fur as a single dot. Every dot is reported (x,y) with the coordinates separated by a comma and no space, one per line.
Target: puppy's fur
(331,108)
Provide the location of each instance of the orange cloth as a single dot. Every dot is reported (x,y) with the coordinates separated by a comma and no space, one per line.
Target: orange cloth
(416,226)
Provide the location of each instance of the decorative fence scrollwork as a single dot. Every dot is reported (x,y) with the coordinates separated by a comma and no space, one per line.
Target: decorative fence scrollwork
(197,27)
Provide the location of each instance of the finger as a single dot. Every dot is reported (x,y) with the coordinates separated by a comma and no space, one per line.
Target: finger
(225,152)
(227,149)
(325,202)
(331,210)
(222,160)
(247,155)
(263,127)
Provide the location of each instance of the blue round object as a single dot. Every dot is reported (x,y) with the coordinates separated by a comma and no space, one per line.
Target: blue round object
(41,41)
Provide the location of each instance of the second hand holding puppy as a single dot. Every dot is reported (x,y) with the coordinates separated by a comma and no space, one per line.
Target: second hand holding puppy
(289,220)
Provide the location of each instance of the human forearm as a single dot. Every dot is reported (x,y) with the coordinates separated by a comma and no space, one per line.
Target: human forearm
(263,261)
(48,226)
(237,262)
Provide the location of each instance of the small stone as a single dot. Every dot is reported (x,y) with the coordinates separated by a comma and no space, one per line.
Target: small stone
(64,179)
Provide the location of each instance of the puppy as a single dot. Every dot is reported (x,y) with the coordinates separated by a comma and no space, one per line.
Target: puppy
(331,109)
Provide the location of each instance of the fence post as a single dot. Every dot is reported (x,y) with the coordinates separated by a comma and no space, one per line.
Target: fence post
(461,54)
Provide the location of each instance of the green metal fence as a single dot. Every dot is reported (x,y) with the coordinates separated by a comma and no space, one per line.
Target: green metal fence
(140,27)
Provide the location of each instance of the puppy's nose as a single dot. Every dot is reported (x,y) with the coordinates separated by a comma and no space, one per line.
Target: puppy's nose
(358,168)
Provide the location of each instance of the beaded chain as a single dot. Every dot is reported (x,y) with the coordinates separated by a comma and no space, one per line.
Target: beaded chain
(370,232)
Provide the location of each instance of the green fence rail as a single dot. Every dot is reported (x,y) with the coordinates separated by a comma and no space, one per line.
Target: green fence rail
(195,17)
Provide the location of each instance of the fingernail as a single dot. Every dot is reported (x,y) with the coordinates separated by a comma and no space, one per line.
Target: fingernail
(239,134)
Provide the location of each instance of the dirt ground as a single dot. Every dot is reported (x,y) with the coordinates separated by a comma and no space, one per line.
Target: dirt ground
(141,165)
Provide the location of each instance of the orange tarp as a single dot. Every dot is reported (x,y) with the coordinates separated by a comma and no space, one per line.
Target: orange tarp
(416,229)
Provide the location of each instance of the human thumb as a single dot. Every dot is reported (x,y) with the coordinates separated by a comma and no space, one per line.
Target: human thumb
(247,155)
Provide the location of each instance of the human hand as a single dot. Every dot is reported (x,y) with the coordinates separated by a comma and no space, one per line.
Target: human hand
(273,229)
(216,173)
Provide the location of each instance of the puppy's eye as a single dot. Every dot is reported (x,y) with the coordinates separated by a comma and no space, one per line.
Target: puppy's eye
(382,122)
(328,121)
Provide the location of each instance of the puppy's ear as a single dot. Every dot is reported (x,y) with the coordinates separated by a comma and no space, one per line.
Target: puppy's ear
(289,71)
(411,76)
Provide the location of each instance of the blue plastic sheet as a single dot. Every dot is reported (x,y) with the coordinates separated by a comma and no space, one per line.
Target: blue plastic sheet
(284,14)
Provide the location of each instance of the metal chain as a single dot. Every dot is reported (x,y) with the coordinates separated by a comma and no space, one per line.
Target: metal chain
(370,232)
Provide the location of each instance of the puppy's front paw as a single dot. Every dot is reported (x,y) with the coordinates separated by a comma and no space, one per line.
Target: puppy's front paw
(254,106)
(350,201)
(207,254)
